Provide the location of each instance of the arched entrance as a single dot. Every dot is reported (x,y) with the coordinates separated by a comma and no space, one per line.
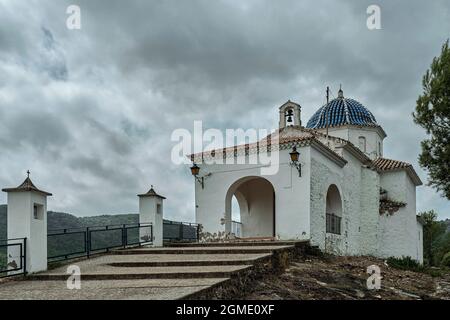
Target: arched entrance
(255,197)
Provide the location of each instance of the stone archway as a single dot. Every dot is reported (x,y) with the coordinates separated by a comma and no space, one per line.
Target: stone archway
(256,199)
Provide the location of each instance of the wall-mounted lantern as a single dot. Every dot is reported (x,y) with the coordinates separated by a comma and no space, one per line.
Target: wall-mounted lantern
(294,160)
(195,170)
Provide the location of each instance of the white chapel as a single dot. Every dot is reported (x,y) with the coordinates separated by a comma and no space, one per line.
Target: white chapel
(334,186)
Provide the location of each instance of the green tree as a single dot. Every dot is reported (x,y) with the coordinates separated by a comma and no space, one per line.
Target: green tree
(446,260)
(442,249)
(433,114)
(432,233)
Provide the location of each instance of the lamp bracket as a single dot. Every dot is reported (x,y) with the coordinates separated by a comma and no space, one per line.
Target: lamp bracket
(297,165)
(201,179)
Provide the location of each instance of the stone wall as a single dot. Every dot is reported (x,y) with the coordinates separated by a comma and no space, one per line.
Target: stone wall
(369,214)
(399,232)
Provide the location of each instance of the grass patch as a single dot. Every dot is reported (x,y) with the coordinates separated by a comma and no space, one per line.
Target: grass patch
(408,263)
(405,263)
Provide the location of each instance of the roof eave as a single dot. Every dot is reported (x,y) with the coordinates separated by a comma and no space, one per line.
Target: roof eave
(347,125)
(144,195)
(330,154)
(409,171)
(45,193)
(358,154)
(413,175)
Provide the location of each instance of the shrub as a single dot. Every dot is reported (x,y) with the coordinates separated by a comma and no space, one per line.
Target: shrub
(405,263)
(446,260)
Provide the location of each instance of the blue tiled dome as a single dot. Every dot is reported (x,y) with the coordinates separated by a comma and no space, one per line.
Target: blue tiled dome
(342,111)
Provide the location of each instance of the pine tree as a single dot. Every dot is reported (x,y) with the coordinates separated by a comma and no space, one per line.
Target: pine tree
(433,114)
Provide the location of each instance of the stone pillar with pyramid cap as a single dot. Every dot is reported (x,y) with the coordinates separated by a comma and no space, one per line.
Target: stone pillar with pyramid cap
(27,218)
(151,211)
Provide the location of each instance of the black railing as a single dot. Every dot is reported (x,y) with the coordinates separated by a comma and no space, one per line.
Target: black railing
(13,257)
(236,228)
(333,223)
(71,243)
(180,231)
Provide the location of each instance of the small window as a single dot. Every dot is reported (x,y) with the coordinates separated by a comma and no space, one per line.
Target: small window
(362,144)
(379,149)
(159,208)
(38,211)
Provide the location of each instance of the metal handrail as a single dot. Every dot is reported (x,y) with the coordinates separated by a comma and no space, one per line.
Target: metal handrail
(181,222)
(180,235)
(87,232)
(103,226)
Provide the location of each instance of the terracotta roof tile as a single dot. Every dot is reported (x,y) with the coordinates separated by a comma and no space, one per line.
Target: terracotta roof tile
(383,164)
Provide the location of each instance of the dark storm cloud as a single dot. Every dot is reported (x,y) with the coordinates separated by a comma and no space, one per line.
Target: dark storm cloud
(40,130)
(100,103)
(53,61)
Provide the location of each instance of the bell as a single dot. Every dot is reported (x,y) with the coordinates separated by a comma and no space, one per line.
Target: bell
(289,119)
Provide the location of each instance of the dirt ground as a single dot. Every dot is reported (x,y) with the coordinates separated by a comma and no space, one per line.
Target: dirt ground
(345,278)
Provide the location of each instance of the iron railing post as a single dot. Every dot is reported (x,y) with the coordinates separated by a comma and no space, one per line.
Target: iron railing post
(24,256)
(181,231)
(88,242)
(151,232)
(124,240)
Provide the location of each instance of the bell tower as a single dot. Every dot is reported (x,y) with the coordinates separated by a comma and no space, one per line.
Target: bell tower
(27,218)
(290,114)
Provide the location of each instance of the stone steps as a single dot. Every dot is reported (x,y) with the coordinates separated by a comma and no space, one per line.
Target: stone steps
(205,250)
(125,273)
(187,263)
(114,289)
(235,243)
(218,270)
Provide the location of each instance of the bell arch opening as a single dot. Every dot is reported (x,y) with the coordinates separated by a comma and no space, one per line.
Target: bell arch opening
(253,212)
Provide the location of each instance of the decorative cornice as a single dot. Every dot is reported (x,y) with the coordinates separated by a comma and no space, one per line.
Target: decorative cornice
(265,145)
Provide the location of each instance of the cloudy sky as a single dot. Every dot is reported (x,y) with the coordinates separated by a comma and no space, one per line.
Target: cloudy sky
(90,112)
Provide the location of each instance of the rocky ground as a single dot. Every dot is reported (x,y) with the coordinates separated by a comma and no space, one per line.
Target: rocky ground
(332,277)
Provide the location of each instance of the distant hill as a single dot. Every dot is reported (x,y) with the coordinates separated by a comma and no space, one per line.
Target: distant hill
(58,245)
(75,242)
(61,220)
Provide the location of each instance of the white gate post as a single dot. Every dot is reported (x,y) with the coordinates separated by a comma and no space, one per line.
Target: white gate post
(151,211)
(27,218)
